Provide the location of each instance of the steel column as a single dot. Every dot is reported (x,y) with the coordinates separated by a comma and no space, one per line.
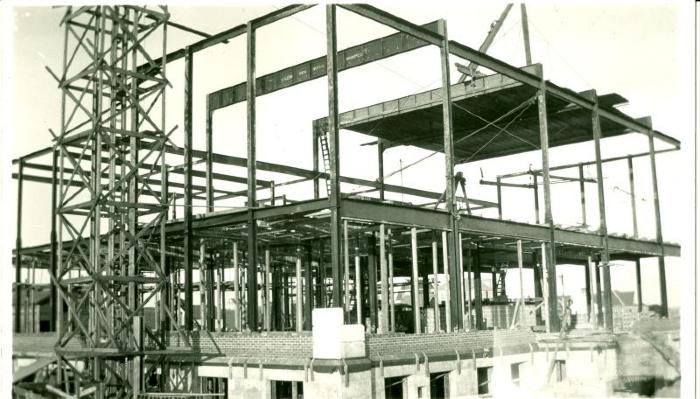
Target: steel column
(603,231)
(251,256)
(236,289)
(592,285)
(436,303)
(638,278)
(520,278)
(53,261)
(657,218)
(392,304)
(582,191)
(315,165)
(18,246)
(537,276)
(478,310)
(334,144)
(188,244)
(346,271)
(550,258)
(267,315)
(358,286)
(448,146)
(372,279)
(380,165)
(535,191)
(598,296)
(587,277)
(384,276)
(446,272)
(500,199)
(633,199)
(299,295)
(465,288)
(526,33)
(309,290)
(414,281)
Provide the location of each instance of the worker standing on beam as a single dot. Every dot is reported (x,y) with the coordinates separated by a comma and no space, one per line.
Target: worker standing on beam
(460,180)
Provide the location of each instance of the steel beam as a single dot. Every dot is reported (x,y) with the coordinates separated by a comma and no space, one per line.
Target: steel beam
(439,220)
(573,165)
(362,54)
(501,67)
(226,35)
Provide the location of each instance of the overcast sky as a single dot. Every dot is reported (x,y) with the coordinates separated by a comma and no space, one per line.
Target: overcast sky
(639,51)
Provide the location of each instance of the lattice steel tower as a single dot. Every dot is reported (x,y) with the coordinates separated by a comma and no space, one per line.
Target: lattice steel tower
(111,203)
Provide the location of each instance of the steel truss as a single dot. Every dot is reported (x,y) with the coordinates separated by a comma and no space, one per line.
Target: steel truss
(116,262)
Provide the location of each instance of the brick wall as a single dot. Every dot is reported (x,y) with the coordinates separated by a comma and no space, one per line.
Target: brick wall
(398,344)
(266,344)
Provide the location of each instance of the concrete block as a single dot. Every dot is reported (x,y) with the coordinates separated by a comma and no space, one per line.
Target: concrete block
(323,318)
(345,342)
(352,333)
(353,349)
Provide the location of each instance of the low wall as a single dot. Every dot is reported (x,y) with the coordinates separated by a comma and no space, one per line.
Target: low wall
(408,344)
(264,344)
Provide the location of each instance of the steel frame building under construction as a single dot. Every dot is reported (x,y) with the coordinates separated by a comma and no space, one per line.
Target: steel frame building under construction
(313,283)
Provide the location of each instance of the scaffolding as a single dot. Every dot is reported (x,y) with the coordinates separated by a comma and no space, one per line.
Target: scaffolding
(109,152)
